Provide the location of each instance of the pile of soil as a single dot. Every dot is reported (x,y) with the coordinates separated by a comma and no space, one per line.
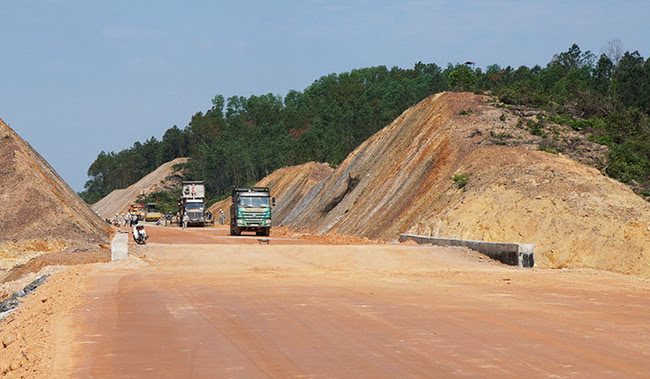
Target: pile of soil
(164,178)
(40,212)
(458,165)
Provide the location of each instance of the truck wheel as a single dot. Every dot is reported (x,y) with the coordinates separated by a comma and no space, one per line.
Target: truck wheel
(237,231)
(232,230)
(266,232)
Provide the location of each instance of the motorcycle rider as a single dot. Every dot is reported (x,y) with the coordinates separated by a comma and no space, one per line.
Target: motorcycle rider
(139,235)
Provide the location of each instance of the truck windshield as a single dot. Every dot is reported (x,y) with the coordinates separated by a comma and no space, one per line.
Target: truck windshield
(253,201)
(194,207)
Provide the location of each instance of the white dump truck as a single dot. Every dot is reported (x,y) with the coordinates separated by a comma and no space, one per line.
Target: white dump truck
(192,203)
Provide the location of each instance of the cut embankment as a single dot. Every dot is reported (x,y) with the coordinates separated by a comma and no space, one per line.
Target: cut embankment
(40,212)
(164,178)
(438,171)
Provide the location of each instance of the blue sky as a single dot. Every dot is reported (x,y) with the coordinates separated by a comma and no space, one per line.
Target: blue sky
(78,77)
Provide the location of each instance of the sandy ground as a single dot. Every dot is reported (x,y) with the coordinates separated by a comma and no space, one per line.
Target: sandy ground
(193,303)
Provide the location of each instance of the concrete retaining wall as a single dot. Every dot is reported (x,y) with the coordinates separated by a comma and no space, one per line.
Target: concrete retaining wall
(519,254)
(120,246)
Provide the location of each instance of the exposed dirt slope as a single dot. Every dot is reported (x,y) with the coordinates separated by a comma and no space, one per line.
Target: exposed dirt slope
(39,212)
(162,179)
(400,180)
(575,216)
(288,185)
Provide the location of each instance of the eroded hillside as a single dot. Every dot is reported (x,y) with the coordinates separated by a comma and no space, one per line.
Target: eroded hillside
(40,212)
(164,178)
(456,166)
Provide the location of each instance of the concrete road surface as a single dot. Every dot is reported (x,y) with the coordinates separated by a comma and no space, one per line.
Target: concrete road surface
(240,309)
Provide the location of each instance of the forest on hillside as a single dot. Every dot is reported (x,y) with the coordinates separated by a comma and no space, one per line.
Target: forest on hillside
(240,140)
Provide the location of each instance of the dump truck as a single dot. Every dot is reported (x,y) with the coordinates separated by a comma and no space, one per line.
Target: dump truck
(192,202)
(250,210)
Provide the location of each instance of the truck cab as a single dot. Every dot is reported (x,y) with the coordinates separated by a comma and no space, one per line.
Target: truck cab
(195,210)
(250,211)
(192,203)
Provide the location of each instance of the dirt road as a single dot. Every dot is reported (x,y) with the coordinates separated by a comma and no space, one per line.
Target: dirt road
(247,310)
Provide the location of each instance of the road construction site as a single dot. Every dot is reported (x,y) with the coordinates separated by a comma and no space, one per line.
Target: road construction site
(332,292)
(198,302)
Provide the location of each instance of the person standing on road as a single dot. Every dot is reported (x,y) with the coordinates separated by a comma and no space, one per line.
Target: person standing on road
(186,218)
(222,218)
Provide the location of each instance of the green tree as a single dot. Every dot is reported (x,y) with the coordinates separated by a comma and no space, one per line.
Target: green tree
(573,58)
(603,74)
(462,78)
(631,81)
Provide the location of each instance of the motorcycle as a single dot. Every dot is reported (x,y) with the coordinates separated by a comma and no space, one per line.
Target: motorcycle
(139,235)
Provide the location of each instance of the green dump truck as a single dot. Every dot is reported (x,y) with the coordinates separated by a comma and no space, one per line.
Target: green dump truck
(250,210)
